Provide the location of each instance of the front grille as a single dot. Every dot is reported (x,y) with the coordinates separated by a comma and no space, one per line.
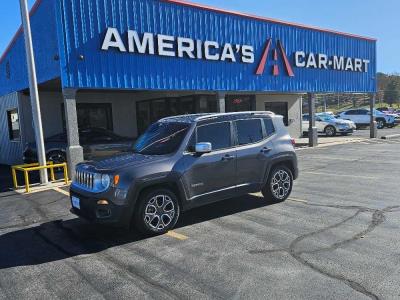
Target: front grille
(85,179)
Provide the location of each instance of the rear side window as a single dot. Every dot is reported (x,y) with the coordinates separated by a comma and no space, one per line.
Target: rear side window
(218,134)
(351,112)
(249,131)
(269,127)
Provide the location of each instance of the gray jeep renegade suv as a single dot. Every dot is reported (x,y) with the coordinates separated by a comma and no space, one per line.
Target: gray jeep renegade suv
(184,162)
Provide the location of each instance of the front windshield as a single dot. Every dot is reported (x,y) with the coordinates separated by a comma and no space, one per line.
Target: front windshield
(161,138)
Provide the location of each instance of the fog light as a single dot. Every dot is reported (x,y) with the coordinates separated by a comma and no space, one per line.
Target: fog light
(121,194)
(102,202)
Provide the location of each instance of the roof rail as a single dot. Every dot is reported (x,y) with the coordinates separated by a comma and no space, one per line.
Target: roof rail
(216,115)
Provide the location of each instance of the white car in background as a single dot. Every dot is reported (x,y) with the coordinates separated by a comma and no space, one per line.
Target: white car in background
(362,116)
(329,125)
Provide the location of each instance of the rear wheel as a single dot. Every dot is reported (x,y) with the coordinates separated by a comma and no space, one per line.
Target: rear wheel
(330,131)
(157,213)
(279,184)
(380,123)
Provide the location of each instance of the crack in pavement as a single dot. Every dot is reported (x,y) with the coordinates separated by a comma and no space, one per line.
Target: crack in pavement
(378,217)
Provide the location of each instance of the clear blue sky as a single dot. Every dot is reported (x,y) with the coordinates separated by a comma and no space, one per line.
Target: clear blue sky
(374,18)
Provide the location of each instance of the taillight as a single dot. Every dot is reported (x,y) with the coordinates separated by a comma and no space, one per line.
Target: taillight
(293,141)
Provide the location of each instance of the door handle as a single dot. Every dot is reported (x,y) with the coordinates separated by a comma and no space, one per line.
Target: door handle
(265,150)
(228,157)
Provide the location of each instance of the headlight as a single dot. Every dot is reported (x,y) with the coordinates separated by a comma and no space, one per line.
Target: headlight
(105,181)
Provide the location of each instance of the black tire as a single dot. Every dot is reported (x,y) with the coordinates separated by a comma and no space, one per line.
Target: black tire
(330,131)
(381,123)
(56,157)
(273,193)
(165,214)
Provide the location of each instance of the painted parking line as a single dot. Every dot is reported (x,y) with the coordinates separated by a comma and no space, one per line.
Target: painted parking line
(297,200)
(61,191)
(176,235)
(339,175)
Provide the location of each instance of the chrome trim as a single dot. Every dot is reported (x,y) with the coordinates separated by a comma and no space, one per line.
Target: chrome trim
(86,181)
(221,190)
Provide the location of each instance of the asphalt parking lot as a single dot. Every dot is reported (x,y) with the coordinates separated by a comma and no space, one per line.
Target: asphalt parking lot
(337,238)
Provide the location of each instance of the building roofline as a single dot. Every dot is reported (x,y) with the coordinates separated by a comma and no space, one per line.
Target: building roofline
(254,17)
(19,31)
(203,7)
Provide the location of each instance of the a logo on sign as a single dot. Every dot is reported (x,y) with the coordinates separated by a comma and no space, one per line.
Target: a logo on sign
(275,69)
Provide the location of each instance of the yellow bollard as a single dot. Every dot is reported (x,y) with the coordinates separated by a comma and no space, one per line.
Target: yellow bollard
(52,177)
(65,173)
(14,177)
(27,189)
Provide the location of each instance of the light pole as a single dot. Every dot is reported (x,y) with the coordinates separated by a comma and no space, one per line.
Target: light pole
(34,94)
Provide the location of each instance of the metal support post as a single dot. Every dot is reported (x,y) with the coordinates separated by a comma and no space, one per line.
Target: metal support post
(312,129)
(221,102)
(33,88)
(373,125)
(74,149)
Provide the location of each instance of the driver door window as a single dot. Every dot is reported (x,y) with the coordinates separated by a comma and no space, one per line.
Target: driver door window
(218,134)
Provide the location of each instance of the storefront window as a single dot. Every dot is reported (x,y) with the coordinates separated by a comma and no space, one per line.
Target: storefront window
(236,103)
(93,115)
(13,125)
(150,111)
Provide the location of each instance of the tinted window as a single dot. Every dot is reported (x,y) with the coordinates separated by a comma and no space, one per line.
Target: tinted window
(249,131)
(161,138)
(350,112)
(219,135)
(363,112)
(269,126)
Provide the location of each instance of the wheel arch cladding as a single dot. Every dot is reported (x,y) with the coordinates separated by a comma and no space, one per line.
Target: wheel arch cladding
(168,185)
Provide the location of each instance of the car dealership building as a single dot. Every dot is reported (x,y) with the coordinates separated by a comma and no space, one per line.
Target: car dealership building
(121,65)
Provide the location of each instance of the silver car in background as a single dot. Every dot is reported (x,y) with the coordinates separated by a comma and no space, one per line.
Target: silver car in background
(329,125)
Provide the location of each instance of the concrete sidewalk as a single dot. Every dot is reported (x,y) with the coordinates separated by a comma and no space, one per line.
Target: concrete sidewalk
(330,141)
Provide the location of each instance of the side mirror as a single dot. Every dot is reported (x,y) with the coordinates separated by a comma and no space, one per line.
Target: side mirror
(202,148)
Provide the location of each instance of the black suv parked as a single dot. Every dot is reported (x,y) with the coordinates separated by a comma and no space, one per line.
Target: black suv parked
(187,161)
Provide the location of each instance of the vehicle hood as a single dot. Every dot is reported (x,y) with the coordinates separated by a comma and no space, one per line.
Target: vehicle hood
(341,121)
(121,161)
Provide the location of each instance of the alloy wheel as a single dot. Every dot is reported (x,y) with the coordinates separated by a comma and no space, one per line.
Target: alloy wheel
(330,131)
(159,212)
(281,184)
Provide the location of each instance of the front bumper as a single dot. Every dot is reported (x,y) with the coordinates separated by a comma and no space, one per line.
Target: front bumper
(345,130)
(93,212)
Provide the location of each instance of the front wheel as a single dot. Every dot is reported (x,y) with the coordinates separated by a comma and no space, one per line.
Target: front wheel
(330,131)
(279,185)
(158,212)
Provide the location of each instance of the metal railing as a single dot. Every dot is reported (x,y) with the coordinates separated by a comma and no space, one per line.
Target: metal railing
(35,167)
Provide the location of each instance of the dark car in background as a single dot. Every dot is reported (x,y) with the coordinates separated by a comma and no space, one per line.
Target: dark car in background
(96,143)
